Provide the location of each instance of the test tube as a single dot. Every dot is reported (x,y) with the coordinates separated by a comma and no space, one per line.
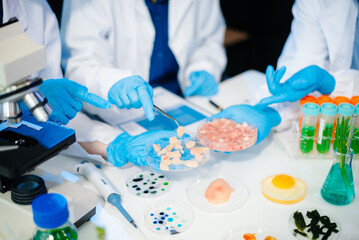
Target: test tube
(321,100)
(325,130)
(338,100)
(344,110)
(355,141)
(310,113)
(306,99)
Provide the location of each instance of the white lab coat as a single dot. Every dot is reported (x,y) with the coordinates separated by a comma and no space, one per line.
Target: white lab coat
(322,33)
(105,41)
(41,25)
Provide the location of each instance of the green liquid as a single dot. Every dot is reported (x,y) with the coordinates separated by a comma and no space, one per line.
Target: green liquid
(66,233)
(355,141)
(335,190)
(324,146)
(307,139)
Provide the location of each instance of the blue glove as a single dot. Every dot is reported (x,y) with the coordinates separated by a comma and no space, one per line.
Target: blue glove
(132,149)
(202,84)
(264,119)
(133,92)
(307,80)
(65,97)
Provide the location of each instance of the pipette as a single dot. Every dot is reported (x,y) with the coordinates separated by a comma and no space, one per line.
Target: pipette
(104,187)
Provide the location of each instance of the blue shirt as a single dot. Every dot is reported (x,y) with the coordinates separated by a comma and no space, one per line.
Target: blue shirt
(164,66)
(355,60)
(1,11)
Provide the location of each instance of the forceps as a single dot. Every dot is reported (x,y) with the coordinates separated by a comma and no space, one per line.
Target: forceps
(165,114)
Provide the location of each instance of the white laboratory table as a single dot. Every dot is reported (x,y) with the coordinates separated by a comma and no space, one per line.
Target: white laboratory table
(250,166)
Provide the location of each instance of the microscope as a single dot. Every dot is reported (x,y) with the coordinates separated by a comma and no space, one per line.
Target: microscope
(26,137)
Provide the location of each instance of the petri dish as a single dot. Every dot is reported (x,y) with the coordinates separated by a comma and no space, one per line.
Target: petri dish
(187,161)
(225,135)
(283,189)
(168,217)
(307,220)
(148,184)
(259,232)
(196,195)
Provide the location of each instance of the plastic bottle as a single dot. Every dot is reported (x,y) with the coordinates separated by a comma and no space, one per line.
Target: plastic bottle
(51,215)
(344,110)
(306,99)
(328,111)
(310,113)
(355,141)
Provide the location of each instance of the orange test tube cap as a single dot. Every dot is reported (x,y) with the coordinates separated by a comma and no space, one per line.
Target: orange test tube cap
(341,99)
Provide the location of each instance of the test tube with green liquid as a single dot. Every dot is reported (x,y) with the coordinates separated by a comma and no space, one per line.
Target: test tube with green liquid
(345,110)
(355,141)
(310,114)
(326,122)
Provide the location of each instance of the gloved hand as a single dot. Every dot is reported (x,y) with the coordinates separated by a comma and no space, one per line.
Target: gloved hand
(133,92)
(132,149)
(264,119)
(202,84)
(305,81)
(65,97)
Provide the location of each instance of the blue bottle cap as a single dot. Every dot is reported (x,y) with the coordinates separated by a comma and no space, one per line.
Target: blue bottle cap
(311,109)
(357,109)
(346,109)
(50,210)
(328,109)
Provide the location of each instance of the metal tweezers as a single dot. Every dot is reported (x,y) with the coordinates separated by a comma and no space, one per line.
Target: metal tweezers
(165,114)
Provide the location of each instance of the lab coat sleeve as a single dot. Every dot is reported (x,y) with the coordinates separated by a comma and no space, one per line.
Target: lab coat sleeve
(88,130)
(87,48)
(43,28)
(209,53)
(306,44)
(53,45)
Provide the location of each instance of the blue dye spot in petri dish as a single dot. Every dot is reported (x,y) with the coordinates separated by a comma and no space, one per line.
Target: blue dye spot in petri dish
(179,225)
(154,222)
(162,213)
(155,218)
(163,218)
(174,213)
(166,228)
(152,214)
(158,229)
(168,208)
(166,215)
(170,219)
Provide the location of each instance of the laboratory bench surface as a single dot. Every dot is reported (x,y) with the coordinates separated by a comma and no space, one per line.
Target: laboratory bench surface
(249,167)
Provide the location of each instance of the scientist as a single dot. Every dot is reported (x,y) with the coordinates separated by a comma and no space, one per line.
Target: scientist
(113,46)
(321,54)
(41,25)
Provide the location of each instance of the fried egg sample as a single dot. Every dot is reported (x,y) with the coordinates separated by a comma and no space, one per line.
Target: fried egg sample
(283,189)
(218,191)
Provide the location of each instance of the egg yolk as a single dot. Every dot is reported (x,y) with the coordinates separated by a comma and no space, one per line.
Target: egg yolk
(283,181)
